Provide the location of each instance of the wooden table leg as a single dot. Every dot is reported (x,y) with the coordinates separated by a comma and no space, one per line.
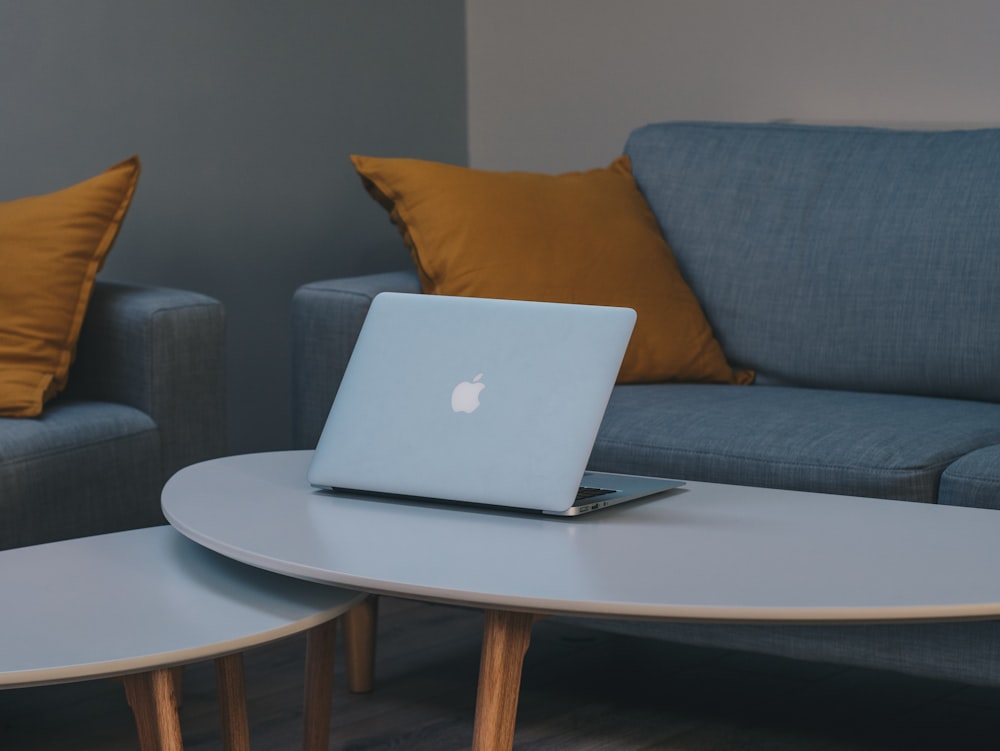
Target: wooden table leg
(231,688)
(506,637)
(151,697)
(177,675)
(360,623)
(320,644)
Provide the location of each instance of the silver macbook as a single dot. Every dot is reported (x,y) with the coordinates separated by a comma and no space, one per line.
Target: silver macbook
(481,401)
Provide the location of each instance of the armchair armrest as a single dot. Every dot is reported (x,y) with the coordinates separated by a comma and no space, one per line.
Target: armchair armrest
(326,320)
(161,351)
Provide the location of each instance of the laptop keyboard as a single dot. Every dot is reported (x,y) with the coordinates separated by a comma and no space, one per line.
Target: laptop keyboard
(585,493)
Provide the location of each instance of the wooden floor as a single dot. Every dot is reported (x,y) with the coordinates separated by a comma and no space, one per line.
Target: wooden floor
(582,690)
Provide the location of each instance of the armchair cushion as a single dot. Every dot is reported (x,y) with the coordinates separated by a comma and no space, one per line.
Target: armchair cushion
(80,468)
(581,237)
(51,248)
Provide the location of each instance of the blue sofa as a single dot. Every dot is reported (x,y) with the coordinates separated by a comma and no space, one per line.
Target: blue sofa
(146,396)
(857,271)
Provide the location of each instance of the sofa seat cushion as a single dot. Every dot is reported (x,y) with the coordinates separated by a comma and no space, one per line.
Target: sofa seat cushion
(973,480)
(851,443)
(81,462)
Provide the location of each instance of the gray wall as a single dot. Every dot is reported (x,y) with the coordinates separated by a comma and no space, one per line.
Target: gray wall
(557,85)
(244,113)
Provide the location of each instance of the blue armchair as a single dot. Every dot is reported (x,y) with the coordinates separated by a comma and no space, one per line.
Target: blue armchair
(146,396)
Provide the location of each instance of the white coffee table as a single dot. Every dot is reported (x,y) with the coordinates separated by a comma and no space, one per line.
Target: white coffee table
(709,553)
(137,604)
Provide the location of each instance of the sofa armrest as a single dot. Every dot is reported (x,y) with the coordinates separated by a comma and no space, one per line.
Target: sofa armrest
(161,351)
(326,320)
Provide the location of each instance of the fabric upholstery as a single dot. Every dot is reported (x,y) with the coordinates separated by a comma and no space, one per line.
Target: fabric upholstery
(51,248)
(844,258)
(967,651)
(851,443)
(75,470)
(161,351)
(581,237)
(973,480)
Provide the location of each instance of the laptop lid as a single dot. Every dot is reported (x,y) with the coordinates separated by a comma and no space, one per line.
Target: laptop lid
(473,400)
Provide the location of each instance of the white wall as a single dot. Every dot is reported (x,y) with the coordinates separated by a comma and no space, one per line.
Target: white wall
(556,85)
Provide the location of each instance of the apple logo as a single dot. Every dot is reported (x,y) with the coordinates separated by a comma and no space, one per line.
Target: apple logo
(465,396)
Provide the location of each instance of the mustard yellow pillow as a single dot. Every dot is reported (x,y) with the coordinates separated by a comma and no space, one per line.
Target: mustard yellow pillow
(51,248)
(580,237)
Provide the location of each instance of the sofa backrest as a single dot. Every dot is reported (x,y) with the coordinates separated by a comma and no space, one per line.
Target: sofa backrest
(837,257)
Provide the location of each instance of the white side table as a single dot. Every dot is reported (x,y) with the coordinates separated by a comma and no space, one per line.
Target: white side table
(138,604)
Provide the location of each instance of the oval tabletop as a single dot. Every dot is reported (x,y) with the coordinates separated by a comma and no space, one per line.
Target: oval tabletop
(131,601)
(705,552)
